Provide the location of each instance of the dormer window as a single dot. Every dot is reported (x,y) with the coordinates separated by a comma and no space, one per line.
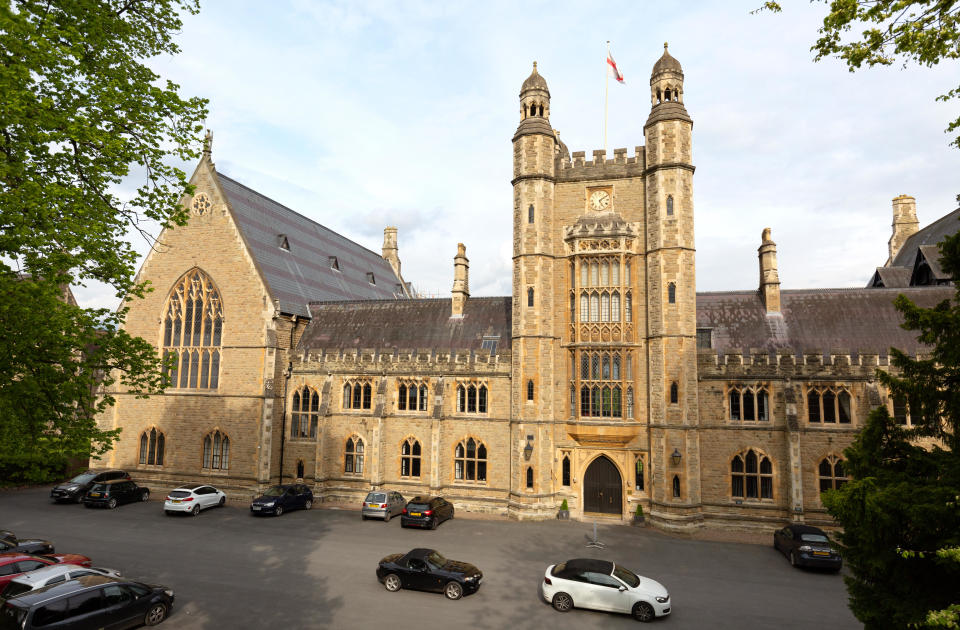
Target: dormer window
(370,278)
(283,242)
(334,264)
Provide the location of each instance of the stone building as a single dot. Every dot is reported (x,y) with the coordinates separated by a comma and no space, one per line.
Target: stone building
(604,379)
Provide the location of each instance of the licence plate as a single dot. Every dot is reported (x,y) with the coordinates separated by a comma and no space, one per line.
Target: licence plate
(821,553)
(415,514)
(94,494)
(177,501)
(256,508)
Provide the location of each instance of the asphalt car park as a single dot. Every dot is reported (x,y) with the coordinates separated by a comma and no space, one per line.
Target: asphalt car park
(317,568)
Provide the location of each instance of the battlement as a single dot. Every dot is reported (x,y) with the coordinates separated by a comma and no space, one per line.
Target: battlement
(578,168)
(402,361)
(838,363)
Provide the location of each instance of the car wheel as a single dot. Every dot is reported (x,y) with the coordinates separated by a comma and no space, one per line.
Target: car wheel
(112,503)
(793,558)
(392,582)
(168,513)
(308,504)
(453,590)
(195,511)
(145,496)
(642,611)
(223,502)
(156,614)
(79,499)
(279,511)
(433,523)
(562,602)
(363,517)
(386,519)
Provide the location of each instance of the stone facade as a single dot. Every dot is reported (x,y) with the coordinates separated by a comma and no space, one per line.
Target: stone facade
(604,380)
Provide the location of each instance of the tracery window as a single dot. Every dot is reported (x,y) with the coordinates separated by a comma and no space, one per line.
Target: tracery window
(749,402)
(470,461)
(192,330)
(357,394)
(829,405)
(530,390)
(751,476)
(600,387)
(830,473)
(565,471)
(472,398)
(216,451)
(410,458)
(529,478)
(638,474)
(353,456)
(412,396)
(151,447)
(304,413)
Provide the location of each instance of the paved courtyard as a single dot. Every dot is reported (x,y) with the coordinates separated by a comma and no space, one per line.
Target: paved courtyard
(316,569)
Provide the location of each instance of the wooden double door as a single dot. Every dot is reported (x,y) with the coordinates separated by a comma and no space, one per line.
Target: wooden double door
(602,487)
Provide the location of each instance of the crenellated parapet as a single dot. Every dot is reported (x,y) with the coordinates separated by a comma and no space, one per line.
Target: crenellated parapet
(401,362)
(790,364)
(578,168)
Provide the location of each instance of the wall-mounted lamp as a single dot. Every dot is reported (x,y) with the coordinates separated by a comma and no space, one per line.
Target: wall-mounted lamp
(528,449)
(675,457)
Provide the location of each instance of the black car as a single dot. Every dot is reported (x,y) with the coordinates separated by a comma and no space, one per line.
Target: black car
(426,512)
(10,544)
(427,570)
(75,489)
(110,494)
(279,499)
(807,546)
(87,602)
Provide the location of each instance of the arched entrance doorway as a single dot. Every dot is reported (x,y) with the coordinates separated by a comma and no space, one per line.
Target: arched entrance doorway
(602,488)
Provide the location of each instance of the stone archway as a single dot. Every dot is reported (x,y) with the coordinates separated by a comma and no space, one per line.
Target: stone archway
(603,488)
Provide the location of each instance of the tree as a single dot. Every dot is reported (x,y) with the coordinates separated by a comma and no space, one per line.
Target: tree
(81,114)
(901,511)
(924,32)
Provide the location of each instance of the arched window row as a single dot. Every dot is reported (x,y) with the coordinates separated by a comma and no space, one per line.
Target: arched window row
(751,476)
(192,331)
(671,93)
(533,109)
(597,402)
(601,366)
(829,405)
(600,306)
(749,402)
(152,444)
(831,473)
(470,461)
(412,396)
(304,413)
(410,458)
(357,395)
(603,272)
(216,451)
(471,398)
(353,456)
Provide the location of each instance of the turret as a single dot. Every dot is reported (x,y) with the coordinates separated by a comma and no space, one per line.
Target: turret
(905,224)
(666,90)
(461,281)
(769,277)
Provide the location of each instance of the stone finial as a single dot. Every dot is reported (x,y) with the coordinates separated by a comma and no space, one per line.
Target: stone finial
(905,224)
(208,144)
(461,281)
(769,277)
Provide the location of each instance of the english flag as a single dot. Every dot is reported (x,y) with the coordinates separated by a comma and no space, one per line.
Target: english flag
(613,64)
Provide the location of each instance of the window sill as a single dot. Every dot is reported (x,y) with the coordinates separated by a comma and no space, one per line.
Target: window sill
(210,472)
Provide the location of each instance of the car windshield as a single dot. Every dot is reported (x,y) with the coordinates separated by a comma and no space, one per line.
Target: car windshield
(83,478)
(12,617)
(626,576)
(100,487)
(275,491)
(176,494)
(15,588)
(417,507)
(436,560)
(820,538)
(376,497)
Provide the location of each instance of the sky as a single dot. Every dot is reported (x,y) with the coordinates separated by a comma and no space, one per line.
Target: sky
(365,114)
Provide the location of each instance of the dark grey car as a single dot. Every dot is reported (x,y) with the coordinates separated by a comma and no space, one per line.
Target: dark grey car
(383,504)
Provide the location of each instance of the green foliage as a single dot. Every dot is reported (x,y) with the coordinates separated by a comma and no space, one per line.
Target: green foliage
(639,512)
(563,506)
(81,114)
(901,512)
(924,32)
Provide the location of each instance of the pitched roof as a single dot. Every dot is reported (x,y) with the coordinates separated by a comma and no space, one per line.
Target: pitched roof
(408,324)
(891,277)
(930,235)
(820,320)
(930,255)
(303,273)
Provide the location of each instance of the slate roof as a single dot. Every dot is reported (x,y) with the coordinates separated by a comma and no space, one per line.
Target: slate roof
(891,277)
(666,63)
(304,274)
(819,320)
(932,234)
(930,255)
(408,324)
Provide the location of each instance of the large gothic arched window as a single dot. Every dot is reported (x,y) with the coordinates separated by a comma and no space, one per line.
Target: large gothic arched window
(192,327)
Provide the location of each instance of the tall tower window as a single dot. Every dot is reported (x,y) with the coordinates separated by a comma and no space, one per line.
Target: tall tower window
(530,214)
(600,387)
(530,390)
(565,478)
(672,293)
(529,478)
(676,487)
(530,296)
(674,393)
(669,204)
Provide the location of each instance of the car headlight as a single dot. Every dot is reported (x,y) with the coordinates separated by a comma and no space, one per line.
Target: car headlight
(663,600)
(805,548)
(168,592)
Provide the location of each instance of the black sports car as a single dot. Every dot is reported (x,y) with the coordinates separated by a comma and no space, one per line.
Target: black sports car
(11,544)
(427,570)
(807,546)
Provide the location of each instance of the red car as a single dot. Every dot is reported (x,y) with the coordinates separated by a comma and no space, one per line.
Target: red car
(14,564)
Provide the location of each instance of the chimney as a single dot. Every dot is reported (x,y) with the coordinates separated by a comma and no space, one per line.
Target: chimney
(905,224)
(390,253)
(461,282)
(769,278)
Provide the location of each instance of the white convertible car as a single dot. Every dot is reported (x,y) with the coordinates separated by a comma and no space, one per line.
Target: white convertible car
(603,585)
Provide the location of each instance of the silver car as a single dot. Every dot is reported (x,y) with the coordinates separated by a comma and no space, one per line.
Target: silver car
(49,575)
(382,504)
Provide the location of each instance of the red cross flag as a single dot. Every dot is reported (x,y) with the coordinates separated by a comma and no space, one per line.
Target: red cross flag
(613,65)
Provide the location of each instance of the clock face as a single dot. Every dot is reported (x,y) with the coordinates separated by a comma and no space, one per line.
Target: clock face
(600,200)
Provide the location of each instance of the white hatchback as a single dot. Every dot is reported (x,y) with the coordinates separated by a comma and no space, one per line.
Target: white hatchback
(193,499)
(49,575)
(603,585)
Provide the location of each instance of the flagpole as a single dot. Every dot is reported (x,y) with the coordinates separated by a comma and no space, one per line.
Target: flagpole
(606,97)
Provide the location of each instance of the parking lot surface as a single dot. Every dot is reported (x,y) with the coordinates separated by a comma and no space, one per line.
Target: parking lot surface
(316,569)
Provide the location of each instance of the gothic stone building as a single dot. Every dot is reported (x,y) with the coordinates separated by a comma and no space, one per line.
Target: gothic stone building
(604,379)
